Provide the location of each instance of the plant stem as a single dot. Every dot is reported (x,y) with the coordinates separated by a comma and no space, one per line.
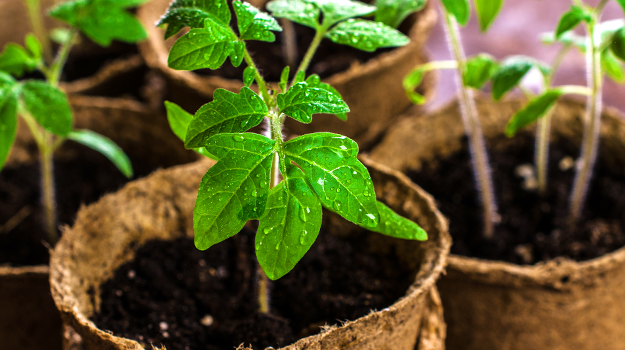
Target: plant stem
(54,73)
(592,125)
(262,85)
(473,130)
(38,26)
(321,31)
(47,187)
(289,42)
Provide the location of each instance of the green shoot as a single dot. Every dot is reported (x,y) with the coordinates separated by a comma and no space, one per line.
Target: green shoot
(42,105)
(283,184)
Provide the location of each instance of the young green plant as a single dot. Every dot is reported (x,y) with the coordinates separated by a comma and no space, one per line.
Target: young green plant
(283,184)
(458,12)
(41,104)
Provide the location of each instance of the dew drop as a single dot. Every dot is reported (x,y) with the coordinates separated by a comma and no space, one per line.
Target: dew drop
(238,138)
(266,231)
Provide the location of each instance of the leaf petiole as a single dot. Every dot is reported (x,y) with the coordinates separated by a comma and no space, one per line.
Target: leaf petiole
(262,85)
(320,33)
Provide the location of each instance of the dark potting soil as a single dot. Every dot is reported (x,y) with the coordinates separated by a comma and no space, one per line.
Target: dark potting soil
(171,294)
(532,228)
(81,179)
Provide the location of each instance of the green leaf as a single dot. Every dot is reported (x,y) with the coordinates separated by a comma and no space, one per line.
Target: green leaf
(411,82)
(284,79)
(314,81)
(395,225)
(605,32)
(206,48)
(534,110)
(479,70)
(366,35)
(105,146)
(193,13)
(622,3)
(510,74)
(460,9)
(102,20)
(290,225)
(612,66)
(16,60)
(299,77)
(254,24)
(227,113)
(618,44)
(567,38)
(34,47)
(340,180)
(335,11)
(298,11)
(393,12)
(61,36)
(249,74)
(571,19)
(48,105)
(8,123)
(179,121)
(487,11)
(233,190)
(301,101)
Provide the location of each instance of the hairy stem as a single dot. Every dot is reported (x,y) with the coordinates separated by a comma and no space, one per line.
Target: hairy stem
(473,130)
(592,123)
(47,187)
(314,45)
(262,85)
(289,42)
(38,25)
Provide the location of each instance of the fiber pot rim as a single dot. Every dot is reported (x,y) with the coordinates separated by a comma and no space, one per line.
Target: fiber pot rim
(24,270)
(560,273)
(431,263)
(155,53)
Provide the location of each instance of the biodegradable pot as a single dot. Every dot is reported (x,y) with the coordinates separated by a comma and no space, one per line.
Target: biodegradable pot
(29,319)
(372,108)
(557,304)
(108,233)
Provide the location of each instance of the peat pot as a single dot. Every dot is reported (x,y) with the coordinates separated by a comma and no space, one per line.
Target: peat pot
(548,303)
(28,317)
(372,107)
(108,234)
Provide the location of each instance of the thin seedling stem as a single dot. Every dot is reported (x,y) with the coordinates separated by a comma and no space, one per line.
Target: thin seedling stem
(473,130)
(311,50)
(47,186)
(38,25)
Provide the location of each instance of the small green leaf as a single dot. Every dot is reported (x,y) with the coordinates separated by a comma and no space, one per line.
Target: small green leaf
(510,74)
(61,36)
(34,47)
(298,11)
(102,20)
(301,101)
(290,225)
(366,35)
(193,13)
(206,48)
(571,19)
(618,44)
(314,81)
(179,121)
(479,70)
(411,82)
(105,146)
(254,24)
(249,74)
(605,32)
(395,225)
(534,110)
(335,11)
(48,105)
(8,123)
(227,113)
(460,9)
(284,79)
(340,180)
(487,11)
(299,77)
(393,12)
(612,66)
(16,60)
(568,38)
(233,190)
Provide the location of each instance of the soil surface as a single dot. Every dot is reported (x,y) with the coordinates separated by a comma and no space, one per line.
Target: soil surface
(171,294)
(532,228)
(81,179)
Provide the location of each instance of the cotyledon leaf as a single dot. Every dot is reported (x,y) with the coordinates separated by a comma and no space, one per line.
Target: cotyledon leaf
(104,146)
(341,181)
(290,225)
(193,13)
(179,121)
(510,73)
(487,11)
(395,225)
(298,11)
(254,24)
(227,113)
(335,11)
(393,12)
(8,122)
(533,111)
(206,47)
(366,35)
(301,101)
(460,9)
(233,190)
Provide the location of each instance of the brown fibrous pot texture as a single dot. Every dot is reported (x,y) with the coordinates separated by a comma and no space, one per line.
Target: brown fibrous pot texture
(108,233)
(372,90)
(556,304)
